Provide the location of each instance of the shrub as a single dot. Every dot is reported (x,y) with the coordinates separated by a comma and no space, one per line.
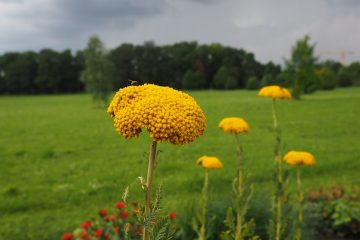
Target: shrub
(339,210)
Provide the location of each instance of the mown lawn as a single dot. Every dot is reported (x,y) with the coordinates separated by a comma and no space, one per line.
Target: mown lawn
(61,160)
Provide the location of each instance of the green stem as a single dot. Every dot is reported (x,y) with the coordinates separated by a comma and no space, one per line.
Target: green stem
(240,190)
(279,176)
(300,210)
(150,172)
(204,207)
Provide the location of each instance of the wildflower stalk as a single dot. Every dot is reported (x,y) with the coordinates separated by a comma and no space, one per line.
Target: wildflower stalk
(202,235)
(150,172)
(278,176)
(240,189)
(298,235)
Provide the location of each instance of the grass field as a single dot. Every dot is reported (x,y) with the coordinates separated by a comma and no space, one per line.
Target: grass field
(61,160)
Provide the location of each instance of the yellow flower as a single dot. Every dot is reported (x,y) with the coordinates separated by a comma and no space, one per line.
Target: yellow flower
(299,158)
(274,92)
(167,114)
(234,125)
(209,162)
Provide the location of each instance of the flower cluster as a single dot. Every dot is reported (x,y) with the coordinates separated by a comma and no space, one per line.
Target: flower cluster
(209,162)
(234,125)
(275,92)
(167,114)
(123,222)
(299,158)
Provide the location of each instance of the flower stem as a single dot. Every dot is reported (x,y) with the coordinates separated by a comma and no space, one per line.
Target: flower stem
(279,176)
(150,172)
(240,190)
(204,207)
(298,235)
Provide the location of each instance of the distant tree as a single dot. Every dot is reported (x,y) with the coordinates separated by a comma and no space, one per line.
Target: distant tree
(300,68)
(327,78)
(253,83)
(18,72)
(98,72)
(125,63)
(354,69)
(194,80)
(345,77)
(49,74)
(224,79)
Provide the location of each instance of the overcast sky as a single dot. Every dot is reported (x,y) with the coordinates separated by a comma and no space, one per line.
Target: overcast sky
(268,28)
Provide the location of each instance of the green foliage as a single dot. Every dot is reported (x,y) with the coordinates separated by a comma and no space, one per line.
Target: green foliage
(344,78)
(253,83)
(98,72)
(300,68)
(339,209)
(224,79)
(327,78)
(194,80)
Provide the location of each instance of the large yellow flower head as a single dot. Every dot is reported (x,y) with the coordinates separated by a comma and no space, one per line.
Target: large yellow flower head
(234,125)
(209,162)
(299,158)
(167,114)
(275,92)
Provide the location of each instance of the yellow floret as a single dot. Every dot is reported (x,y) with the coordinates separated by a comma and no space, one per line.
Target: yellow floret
(299,158)
(209,162)
(234,125)
(167,114)
(275,92)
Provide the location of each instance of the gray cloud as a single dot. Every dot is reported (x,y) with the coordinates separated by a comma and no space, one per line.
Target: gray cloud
(267,28)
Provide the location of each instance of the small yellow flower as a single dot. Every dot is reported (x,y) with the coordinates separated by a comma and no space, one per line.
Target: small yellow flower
(167,114)
(209,162)
(299,158)
(275,92)
(234,125)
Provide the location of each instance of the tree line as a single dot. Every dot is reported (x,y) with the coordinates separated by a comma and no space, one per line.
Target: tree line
(184,65)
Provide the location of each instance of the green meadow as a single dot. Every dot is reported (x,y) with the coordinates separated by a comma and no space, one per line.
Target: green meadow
(61,159)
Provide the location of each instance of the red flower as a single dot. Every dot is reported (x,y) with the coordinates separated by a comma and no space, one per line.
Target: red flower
(113,217)
(67,236)
(120,205)
(86,225)
(124,214)
(172,215)
(85,236)
(107,236)
(103,212)
(117,230)
(138,231)
(98,232)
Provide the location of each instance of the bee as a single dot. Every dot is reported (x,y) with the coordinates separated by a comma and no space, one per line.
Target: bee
(133,82)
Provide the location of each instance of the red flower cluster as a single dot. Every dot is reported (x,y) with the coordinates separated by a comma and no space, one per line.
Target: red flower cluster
(115,226)
(67,236)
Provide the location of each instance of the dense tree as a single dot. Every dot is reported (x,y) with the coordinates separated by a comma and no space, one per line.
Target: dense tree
(224,79)
(124,61)
(49,74)
(253,83)
(20,73)
(194,80)
(326,77)
(300,68)
(99,71)
(181,65)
